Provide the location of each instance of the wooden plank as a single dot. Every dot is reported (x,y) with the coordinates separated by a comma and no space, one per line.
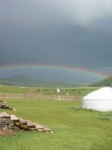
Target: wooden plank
(13,117)
(47,130)
(38,127)
(30,124)
(1,115)
(22,121)
(5,115)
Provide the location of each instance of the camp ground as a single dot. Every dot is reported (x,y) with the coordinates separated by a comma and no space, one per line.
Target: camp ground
(56,124)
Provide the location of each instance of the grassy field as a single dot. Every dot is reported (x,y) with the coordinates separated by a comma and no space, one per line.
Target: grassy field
(74,128)
(81,91)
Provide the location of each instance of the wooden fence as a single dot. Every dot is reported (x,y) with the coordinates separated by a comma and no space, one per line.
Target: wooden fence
(40,96)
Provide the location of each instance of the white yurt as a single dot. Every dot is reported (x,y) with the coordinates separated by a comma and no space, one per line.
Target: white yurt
(100,100)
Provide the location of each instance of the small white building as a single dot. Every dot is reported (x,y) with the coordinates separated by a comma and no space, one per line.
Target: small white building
(100,100)
(58,90)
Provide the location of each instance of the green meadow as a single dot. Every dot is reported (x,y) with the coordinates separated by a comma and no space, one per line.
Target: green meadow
(73,128)
(79,91)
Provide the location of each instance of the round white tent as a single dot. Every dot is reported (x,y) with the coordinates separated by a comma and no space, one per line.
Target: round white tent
(100,100)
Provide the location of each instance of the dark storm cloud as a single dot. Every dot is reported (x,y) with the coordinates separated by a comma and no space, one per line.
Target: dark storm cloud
(74,32)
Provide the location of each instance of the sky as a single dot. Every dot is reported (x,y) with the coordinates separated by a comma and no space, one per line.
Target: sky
(56,32)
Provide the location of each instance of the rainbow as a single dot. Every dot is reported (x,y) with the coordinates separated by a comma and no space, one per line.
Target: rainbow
(72,69)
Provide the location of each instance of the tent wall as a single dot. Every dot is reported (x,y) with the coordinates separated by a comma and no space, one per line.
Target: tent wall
(100,105)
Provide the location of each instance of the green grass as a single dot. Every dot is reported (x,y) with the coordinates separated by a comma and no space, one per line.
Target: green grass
(74,128)
(79,91)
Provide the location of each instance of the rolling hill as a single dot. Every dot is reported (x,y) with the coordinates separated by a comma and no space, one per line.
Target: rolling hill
(33,82)
(105,82)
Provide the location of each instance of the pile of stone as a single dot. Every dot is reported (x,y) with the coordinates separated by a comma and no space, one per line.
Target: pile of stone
(12,122)
(4,106)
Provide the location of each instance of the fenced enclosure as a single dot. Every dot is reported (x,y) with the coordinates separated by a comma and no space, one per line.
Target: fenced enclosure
(40,96)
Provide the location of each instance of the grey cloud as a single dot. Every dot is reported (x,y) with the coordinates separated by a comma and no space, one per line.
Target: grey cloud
(37,13)
(71,32)
(63,45)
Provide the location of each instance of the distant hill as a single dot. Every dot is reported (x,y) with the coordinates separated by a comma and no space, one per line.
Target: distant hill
(32,82)
(105,82)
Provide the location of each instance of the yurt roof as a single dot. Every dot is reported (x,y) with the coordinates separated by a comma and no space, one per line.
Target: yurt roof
(104,93)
